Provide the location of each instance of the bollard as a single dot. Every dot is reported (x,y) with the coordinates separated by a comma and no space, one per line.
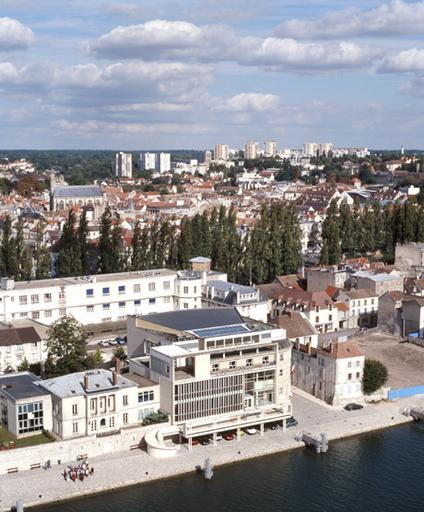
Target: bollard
(208,471)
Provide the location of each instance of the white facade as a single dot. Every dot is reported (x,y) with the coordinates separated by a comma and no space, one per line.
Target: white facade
(16,348)
(270,148)
(317,148)
(165,162)
(251,150)
(208,157)
(96,402)
(122,165)
(100,298)
(222,152)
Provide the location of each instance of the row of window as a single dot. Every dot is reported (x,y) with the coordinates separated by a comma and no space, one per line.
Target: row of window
(35,298)
(166,285)
(232,364)
(353,304)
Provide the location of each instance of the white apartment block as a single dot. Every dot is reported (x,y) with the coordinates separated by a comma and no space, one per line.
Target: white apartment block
(148,161)
(317,149)
(208,157)
(216,372)
(270,148)
(100,298)
(222,152)
(96,402)
(164,162)
(251,150)
(122,165)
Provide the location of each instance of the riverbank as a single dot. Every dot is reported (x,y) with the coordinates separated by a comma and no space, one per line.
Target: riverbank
(119,470)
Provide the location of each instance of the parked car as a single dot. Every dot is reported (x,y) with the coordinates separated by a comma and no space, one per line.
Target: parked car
(204,441)
(120,340)
(194,442)
(113,342)
(229,436)
(353,407)
(251,431)
(219,437)
(103,343)
(272,426)
(291,422)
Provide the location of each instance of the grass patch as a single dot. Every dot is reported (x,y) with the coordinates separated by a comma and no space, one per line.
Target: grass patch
(6,437)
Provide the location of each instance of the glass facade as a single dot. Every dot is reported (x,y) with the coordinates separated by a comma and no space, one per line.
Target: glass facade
(30,417)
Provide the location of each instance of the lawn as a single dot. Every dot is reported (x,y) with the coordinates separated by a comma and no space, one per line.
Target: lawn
(6,437)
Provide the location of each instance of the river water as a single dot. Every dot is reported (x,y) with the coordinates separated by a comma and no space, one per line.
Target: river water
(379,472)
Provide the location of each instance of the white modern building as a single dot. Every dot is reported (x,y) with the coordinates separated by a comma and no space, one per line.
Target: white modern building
(270,148)
(100,298)
(251,150)
(208,157)
(222,152)
(122,165)
(164,164)
(148,161)
(216,371)
(317,148)
(25,406)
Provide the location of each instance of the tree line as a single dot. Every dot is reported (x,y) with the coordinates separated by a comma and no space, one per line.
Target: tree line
(19,260)
(271,247)
(370,231)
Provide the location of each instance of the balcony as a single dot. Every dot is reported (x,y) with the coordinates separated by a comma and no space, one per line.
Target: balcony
(246,368)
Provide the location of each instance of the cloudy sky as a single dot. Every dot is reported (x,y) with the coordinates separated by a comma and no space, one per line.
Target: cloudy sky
(190,73)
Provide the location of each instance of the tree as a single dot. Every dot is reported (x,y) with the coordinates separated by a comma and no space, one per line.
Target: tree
(42,254)
(24,366)
(66,348)
(83,242)
(106,263)
(8,249)
(137,248)
(375,375)
(119,353)
(69,258)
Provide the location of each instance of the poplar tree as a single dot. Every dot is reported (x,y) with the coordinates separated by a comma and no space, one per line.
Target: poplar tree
(106,257)
(83,243)
(42,254)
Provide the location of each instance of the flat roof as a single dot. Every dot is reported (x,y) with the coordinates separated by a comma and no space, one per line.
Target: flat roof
(21,385)
(234,287)
(90,280)
(194,319)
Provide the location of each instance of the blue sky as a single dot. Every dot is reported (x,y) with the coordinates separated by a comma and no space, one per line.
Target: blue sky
(191,73)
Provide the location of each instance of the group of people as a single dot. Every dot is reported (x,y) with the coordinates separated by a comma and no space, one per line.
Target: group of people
(79,472)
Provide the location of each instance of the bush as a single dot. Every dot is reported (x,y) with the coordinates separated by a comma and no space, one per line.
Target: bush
(156,417)
(375,375)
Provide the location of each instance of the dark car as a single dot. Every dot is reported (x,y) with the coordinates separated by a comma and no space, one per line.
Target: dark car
(291,422)
(353,407)
(204,441)
(120,340)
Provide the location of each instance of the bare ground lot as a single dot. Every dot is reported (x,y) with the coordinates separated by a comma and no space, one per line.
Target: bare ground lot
(404,361)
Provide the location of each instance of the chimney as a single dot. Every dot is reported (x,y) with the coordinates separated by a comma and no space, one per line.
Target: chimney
(85,382)
(117,365)
(116,371)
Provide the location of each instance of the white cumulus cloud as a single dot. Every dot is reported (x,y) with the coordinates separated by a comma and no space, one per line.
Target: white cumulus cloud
(14,35)
(411,60)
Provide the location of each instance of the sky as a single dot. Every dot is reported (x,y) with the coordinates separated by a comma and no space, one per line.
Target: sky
(174,74)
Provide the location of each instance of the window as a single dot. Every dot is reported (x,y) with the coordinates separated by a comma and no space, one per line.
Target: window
(92,404)
(349,376)
(35,315)
(185,291)
(93,425)
(249,362)
(23,315)
(265,360)
(317,309)
(102,422)
(152,287)
(349,365)
(215,367)
(62,295)
(23,299)
(194,289)
(125,418)
(330,317)
(121,289)
(317,319)
(75,427)
(167,285)
(89,309)
(358,363)
(185,305)
(372,301)
(358,375)
(365,302)
(62,311)
(74,409)
(30,417)
(47,297)
(106,291)
(152,301)
(35,299)
(106,307)
(136,288)
(137,302)
(34,345)
(281,373)
(146,396)
(125,400)
(89,292)
(232,365)
(167,300)
(121,304)
(111,422)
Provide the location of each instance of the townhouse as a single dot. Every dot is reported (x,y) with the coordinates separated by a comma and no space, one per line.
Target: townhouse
(20,344)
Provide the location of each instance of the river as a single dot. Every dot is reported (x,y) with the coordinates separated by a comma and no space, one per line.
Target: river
(378,472)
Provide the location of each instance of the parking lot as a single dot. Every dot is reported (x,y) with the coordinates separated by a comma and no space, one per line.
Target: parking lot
(404,361)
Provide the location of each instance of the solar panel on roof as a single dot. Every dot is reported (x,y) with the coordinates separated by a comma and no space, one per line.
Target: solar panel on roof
(221,331)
